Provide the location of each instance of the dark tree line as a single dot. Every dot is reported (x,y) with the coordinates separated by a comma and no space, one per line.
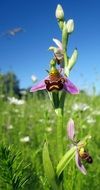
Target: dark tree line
(9,84)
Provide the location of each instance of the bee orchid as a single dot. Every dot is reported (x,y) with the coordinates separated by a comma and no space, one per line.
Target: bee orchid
(58,51)
(56,81)
(80,154)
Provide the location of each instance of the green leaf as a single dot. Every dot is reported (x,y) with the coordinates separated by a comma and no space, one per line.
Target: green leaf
(65,160)
(48,167)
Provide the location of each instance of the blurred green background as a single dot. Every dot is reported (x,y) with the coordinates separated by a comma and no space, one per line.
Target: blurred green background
(25,119)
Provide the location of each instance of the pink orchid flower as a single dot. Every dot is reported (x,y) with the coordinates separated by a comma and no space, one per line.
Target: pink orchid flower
(81,154)
(56,82)
(58,52)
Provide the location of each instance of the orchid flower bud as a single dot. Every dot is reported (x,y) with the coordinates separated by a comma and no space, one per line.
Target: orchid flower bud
(70,25)
(72,59)
(59,12)
(66,71)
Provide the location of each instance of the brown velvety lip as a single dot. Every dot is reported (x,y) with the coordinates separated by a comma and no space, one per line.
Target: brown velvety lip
(54,85)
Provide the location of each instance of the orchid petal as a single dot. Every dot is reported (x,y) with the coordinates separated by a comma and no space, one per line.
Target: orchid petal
(39,86)
(70,87)
(58,43)
(79,164)
(70,129)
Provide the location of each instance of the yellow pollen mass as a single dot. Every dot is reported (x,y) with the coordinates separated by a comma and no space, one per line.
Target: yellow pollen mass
(81,151)
(54,71)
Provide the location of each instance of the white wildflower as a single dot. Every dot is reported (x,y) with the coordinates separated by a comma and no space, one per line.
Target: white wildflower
(16,110)
(96,112)
(25,139)
(48,129)
(90,120)
(41,120)
(34,78)
(10,127)
(23,92)
(13,100)
(80,107)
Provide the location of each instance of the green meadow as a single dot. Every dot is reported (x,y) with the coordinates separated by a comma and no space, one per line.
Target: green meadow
(23,129)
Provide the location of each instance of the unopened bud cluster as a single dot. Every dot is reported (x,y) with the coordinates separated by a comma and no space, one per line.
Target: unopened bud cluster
(67,27)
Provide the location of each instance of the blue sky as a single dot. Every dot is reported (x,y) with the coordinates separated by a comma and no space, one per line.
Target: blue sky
(27,53)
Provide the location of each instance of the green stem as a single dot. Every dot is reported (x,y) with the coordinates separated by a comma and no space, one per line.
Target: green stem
(65,58)
(62,100)
(59,113)
(60,148)
(65,37)
(55,99)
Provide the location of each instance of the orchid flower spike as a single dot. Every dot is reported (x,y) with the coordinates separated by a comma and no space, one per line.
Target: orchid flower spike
(55,81)
(80,154)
